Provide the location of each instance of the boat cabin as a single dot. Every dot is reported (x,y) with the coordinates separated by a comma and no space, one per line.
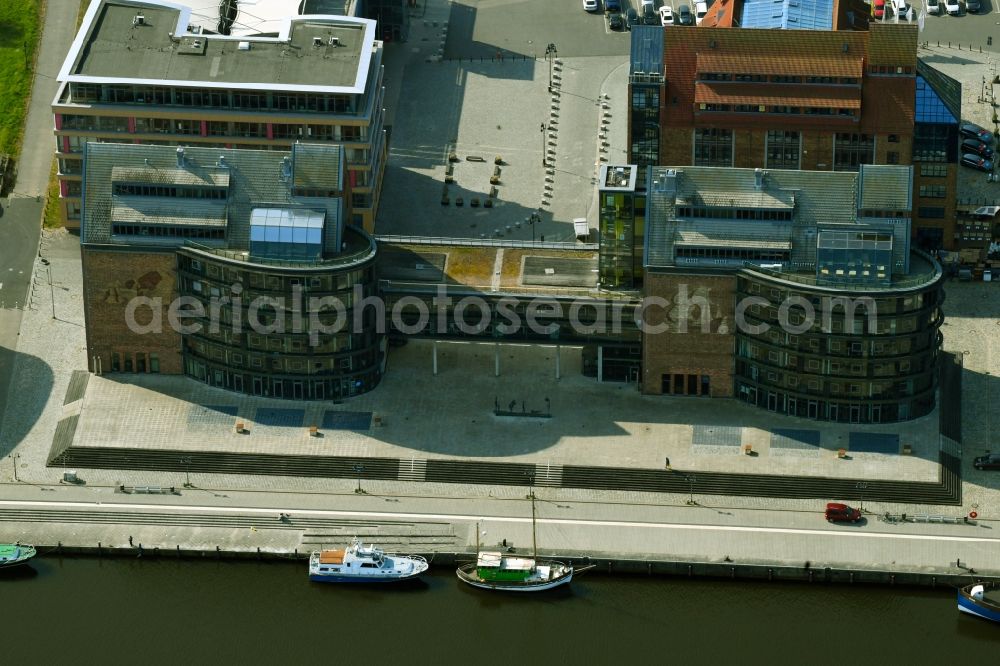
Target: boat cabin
(331,556)
(494,566)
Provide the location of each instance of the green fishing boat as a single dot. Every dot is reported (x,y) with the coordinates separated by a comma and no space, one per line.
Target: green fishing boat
(13,555)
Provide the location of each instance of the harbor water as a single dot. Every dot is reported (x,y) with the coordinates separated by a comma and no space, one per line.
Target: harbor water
(143,610)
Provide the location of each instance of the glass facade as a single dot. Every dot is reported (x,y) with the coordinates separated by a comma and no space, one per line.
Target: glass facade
(853,360)
(854,256)
(300,333)
(713,147)
(852,150)
(621,229)
(783,149)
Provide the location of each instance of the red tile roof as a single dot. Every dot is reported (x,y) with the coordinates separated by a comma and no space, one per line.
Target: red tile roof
(781,65)
(827,97)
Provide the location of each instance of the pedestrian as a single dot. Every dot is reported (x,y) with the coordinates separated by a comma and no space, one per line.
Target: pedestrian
(130,541)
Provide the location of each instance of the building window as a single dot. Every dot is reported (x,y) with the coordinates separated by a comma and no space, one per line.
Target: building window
(713,147)
(892,157)
(933,170)
(893,138)
(783,149)
(935,212)
(852,150)
(932,191)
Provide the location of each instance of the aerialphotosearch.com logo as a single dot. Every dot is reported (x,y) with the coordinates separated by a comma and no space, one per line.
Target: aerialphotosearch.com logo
(319,316)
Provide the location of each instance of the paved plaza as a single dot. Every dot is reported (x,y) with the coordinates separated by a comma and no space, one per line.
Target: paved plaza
(576,421)
(498,104)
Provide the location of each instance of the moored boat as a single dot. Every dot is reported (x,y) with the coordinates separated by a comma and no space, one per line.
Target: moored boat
(981,600)
(14,555)
(497,571)
(363,564)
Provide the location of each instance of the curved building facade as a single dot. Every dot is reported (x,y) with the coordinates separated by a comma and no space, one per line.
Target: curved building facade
(861,355)
(293,330)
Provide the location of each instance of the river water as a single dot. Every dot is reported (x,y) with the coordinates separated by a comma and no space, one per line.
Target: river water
(146,611)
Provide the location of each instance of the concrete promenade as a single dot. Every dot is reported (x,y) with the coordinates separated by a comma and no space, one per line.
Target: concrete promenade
(199,521)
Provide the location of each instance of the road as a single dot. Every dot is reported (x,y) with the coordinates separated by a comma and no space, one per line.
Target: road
(20,226)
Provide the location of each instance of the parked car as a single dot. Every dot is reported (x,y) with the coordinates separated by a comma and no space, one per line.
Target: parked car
(878,10)
(631,18)
(952,7)
(841,513)
(666,16)
(684,15)
(976,162)
(647,7)
(590,5)
(973,6)
(973,131)
(989,461)
(615,21)
(900,9)
(612,6)
(700,9)
(933,6)
(978,147)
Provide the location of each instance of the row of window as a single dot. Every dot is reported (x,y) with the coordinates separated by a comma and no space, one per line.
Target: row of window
(762,108)
(89,123)
(88,93)
(762,78)
(714,147)
(342,281)
(731,254)
(884,305)
(291,388)
(167,231)
(834,387)
(177,191)
(720,213)
(829,410)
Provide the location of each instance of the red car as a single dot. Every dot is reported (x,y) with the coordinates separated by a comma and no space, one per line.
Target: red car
(841,513)
(878,9)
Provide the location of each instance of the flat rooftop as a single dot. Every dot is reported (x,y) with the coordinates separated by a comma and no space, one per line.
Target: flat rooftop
(308,54)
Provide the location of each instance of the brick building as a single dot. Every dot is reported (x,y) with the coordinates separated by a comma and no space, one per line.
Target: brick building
(246,238)
(161,73)
(746,270)
(816,99)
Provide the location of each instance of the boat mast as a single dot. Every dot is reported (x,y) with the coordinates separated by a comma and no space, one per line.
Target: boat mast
(534,538)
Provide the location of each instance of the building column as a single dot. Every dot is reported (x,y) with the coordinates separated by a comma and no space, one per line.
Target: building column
(600,363)
(496,358)
(434,355)
(557,362)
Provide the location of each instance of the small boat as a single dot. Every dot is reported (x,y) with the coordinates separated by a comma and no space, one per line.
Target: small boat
(497,571)
(14,555)
(363,564)
(494,570)
(981,600)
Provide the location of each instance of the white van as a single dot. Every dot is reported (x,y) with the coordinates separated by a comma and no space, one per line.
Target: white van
(700,9)
(901,9)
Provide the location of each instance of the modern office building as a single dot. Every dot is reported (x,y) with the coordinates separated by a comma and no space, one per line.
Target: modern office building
(161,73)
(795,291)
(252,245)
(817,99)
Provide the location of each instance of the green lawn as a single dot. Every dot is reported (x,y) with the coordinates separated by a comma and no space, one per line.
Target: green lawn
(19,32)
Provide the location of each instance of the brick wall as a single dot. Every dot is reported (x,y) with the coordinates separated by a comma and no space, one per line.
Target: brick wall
(675,146)
(817,151)
(698,351)
(749,147)
(110,280)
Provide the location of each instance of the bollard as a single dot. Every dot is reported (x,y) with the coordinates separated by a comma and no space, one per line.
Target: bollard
(690,571)
(99,553)
(851,577)
(770,574)
(178,551)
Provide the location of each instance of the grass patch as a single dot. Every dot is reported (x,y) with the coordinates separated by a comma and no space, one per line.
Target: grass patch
(52,218)
(19,33)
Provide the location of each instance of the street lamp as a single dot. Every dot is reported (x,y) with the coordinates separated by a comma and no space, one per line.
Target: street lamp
(690,479)
(541,129)
(530,478)
(862,487)
(14,457)
(550,55)
(533,219)
(186,460)
(360,470)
